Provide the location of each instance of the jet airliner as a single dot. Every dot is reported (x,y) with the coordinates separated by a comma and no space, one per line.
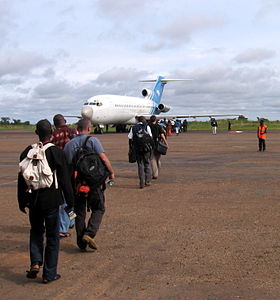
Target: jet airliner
(115,109)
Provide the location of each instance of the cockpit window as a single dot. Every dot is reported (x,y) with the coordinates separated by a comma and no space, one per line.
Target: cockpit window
(95,103)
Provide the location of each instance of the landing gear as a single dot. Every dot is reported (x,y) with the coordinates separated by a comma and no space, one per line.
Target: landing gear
(98,130)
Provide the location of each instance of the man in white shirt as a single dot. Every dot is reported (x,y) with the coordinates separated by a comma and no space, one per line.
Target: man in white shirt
(140,139)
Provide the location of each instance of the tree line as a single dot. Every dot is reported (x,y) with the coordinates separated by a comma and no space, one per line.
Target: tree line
(9,121)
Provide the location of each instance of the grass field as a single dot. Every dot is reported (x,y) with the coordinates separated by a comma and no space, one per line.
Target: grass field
(192,125)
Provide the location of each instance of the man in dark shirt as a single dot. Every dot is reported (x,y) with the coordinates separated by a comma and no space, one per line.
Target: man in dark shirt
(43,205)
(62,135)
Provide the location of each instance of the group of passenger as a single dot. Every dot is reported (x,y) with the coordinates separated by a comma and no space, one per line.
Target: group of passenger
(145,149)
(49,207)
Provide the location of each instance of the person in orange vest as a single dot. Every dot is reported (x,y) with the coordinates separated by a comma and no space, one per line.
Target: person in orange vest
(261,133)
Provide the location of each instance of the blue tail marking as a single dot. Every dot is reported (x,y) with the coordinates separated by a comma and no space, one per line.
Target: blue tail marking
(158,90)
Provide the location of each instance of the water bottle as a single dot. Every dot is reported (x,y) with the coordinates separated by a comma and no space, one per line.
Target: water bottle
(110,182)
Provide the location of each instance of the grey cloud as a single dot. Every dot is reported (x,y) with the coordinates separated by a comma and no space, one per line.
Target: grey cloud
(53,89)
(20,62)
(255,55)
(225,89)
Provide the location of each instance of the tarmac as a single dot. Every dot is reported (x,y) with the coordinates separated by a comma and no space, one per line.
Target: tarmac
(207,228)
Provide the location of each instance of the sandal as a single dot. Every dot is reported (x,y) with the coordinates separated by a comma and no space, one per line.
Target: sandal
(32,273)
(46,281)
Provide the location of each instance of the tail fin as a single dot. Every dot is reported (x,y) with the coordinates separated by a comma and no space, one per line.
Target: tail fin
(158,88)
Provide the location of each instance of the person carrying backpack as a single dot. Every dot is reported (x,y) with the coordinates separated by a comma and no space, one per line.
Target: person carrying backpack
(90,168)
(141,141)
(42,178)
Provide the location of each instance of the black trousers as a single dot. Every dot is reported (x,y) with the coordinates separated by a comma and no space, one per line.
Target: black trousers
(95,202)
(261,144)
(46,221)
(144,168)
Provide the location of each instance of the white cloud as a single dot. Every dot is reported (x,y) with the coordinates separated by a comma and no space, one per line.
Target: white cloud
(268,7)
(127,8)
(6,20)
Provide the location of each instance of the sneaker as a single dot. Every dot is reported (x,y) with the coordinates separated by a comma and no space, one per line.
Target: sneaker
(90,241)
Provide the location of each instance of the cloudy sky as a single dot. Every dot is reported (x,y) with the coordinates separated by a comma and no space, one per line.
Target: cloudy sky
(56,54)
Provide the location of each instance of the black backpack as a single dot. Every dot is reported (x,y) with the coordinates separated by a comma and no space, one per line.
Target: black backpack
(90,167)
(142,140)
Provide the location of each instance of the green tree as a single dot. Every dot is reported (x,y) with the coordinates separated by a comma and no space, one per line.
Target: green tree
(5,120)
(16,122)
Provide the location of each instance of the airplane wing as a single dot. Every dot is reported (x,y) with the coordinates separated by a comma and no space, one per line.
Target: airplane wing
(164,116)
(78,117)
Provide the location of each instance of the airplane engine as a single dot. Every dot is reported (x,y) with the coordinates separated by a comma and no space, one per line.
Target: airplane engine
(146,93)
(163,108)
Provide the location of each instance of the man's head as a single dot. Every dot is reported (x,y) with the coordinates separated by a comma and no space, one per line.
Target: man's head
(153,118)
(84,125)
(58,120)
(43,130)
(261,122)
(142,119)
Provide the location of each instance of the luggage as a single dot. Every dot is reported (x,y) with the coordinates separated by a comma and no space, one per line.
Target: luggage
(142,140)
(35,168)
(90,168)
(161,148)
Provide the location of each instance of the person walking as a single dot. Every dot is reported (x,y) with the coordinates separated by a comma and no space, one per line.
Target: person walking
(177,126)
(262,134)
(61,135)
(88,196)
(185,125)
(158,135)
(43,205)
(140,139)
(214,125)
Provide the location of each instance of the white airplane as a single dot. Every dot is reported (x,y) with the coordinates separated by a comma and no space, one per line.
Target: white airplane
(115,109)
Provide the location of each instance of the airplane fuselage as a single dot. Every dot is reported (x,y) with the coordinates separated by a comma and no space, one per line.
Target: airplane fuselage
(114,109)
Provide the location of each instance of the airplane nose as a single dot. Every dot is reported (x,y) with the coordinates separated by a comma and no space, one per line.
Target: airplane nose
(86,112)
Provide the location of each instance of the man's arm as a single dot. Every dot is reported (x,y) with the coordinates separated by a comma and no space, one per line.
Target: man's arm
(107,162)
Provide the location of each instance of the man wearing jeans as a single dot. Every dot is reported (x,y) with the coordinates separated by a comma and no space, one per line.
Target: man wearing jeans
(60,136)
(43,205)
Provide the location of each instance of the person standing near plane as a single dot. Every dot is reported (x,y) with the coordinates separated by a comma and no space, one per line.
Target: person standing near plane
(158,134)
(61,135)
(177,126)
(214,125)
(140,139)
(262,133)
(185,125)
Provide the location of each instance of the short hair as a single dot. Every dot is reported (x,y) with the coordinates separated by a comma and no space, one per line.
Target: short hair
(43,128)
(142,119)
(58,120)
(153,118)
(83,124)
